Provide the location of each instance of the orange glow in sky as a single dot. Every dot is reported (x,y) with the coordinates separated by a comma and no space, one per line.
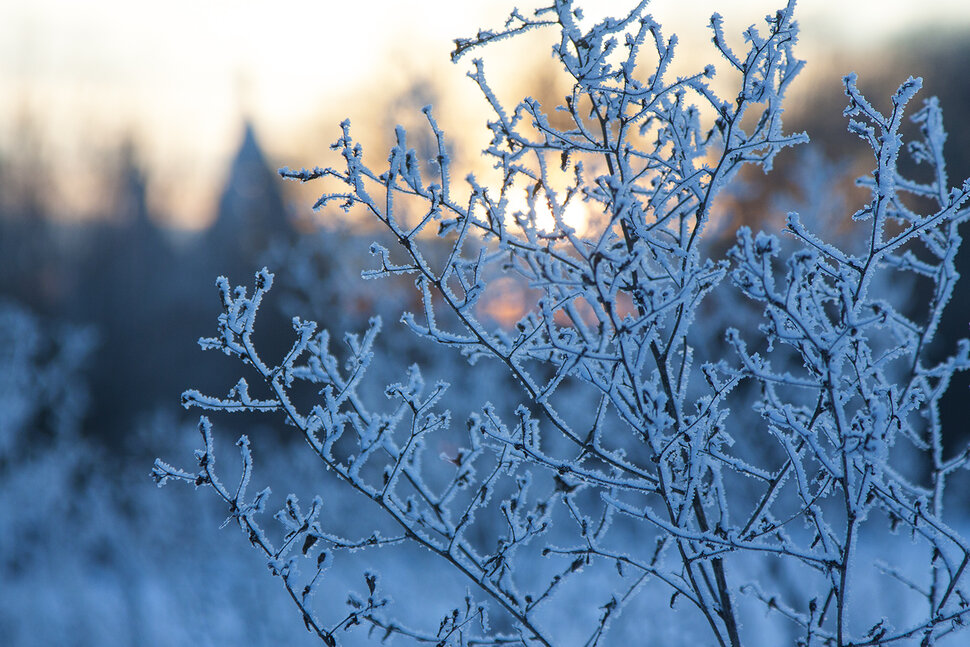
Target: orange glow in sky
(179,77)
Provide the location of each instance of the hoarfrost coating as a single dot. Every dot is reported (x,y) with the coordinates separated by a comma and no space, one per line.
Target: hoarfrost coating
(750,439)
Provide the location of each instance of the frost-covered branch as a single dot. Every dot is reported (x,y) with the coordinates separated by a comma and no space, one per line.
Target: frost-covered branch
(727,458)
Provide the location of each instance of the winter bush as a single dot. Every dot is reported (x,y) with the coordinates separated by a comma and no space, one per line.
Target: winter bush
(733,450)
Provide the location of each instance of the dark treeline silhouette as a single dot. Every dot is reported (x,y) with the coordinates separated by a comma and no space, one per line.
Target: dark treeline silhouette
(148,292)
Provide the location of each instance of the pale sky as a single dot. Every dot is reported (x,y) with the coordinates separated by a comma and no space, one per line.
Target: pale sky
(177,76)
